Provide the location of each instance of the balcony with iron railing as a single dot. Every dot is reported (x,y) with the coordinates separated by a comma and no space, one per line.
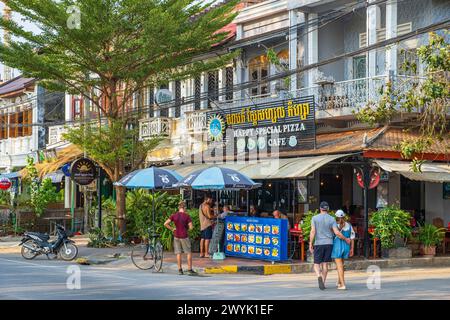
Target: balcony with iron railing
(334,99)
(55,135)
(151,127)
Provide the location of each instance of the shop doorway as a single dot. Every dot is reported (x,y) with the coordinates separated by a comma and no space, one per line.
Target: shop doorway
(412,198)
(331,189)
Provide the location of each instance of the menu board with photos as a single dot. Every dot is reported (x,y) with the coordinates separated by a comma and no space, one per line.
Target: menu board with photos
(256,238)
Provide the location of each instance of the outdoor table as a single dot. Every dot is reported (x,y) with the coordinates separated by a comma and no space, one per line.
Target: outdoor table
(298,234)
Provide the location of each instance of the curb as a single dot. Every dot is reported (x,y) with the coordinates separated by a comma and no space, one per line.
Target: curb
(349,265)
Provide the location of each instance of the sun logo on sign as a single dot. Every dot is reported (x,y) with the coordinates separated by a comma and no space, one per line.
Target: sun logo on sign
(216,127)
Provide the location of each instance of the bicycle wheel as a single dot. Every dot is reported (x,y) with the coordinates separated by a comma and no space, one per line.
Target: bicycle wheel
(143,257)
(158,256)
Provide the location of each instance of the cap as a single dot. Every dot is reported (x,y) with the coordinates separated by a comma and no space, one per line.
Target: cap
(339,214)
(324,205)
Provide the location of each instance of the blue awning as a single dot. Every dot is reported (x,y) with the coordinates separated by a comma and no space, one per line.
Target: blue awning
(11,175)
(56,176)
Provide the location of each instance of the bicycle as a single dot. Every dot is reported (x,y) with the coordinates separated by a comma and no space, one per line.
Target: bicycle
(146,256)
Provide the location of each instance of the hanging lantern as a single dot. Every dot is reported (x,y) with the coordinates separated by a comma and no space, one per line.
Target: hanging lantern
(5,184)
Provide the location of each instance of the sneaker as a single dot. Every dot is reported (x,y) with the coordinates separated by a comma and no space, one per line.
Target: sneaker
(192,273)
(180,272)
(321,284)
(342,288)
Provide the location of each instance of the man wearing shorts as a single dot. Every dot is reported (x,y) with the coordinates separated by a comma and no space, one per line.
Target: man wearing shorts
(181,242)
(205,215)
(323,230)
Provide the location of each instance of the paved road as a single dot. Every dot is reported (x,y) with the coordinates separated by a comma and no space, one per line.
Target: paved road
(43,279)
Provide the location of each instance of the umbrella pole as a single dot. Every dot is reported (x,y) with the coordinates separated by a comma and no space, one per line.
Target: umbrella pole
(153,211)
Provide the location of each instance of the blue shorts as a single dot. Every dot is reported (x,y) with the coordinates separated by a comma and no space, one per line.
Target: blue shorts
(322,253)
(207,233)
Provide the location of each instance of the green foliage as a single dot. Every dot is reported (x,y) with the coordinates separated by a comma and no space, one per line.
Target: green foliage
(139,214)
(41,193)
(97,239)
(112,143)
(43,196)
(306,222)
(430,235)
(137,43)
(428,97)
(389,223)
(5,198)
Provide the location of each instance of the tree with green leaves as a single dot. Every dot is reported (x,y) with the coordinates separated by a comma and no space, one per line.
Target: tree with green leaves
(107,51)
(429,97)
(42,193)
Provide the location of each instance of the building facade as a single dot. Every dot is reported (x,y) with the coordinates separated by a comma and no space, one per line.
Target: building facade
(308,48)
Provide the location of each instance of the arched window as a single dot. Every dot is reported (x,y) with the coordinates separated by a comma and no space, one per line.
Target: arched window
(258,72)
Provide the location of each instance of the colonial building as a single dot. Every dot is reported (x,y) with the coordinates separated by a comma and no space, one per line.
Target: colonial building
(312,49)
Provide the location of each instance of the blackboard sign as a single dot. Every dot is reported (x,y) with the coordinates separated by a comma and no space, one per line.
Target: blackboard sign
(281,125)
(83,171)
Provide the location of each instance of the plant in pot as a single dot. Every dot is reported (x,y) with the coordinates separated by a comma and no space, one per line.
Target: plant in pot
(392,223)
(430,236)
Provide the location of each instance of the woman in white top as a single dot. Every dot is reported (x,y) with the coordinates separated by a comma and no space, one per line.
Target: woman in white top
(341,249)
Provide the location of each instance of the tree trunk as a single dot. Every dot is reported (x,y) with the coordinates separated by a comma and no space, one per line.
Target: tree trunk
(120,209)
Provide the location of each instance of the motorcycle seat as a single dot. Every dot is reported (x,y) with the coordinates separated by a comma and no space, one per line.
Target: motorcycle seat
(42,236)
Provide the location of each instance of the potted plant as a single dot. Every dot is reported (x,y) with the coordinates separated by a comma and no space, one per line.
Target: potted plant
(390,224)
(430,236)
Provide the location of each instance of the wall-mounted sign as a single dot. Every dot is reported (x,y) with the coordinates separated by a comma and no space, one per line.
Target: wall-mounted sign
(5,184)
(83,171)
(283,124)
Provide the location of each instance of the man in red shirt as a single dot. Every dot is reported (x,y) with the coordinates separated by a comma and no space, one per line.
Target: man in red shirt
(181,242)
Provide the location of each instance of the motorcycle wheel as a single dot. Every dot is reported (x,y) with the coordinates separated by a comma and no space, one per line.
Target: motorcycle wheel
(27,253)
(68,252)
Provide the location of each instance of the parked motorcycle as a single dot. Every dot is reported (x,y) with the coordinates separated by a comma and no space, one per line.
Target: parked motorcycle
(35,243)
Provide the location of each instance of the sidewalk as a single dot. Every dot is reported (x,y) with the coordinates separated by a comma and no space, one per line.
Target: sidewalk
(119,257)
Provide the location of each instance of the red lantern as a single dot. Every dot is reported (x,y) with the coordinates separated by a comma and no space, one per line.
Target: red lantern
(5,184)
(374,178)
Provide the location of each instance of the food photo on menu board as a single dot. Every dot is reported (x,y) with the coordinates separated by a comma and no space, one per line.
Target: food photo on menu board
(257,238)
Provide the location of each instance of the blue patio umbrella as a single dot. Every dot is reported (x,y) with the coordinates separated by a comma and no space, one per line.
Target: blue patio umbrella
(152,178)
(217,178)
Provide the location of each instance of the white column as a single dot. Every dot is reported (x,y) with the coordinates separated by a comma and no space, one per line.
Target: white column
(391,32)
(185,92)
(67,194)
(68,107)
(294,19)
(222,82)
(313,49)
(204,90)
(171,113)
(372,24)
(238,77)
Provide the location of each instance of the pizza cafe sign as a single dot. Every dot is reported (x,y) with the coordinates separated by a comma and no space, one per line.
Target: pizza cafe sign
(286,124)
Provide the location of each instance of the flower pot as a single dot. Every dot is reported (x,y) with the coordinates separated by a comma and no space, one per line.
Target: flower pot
(428,251)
